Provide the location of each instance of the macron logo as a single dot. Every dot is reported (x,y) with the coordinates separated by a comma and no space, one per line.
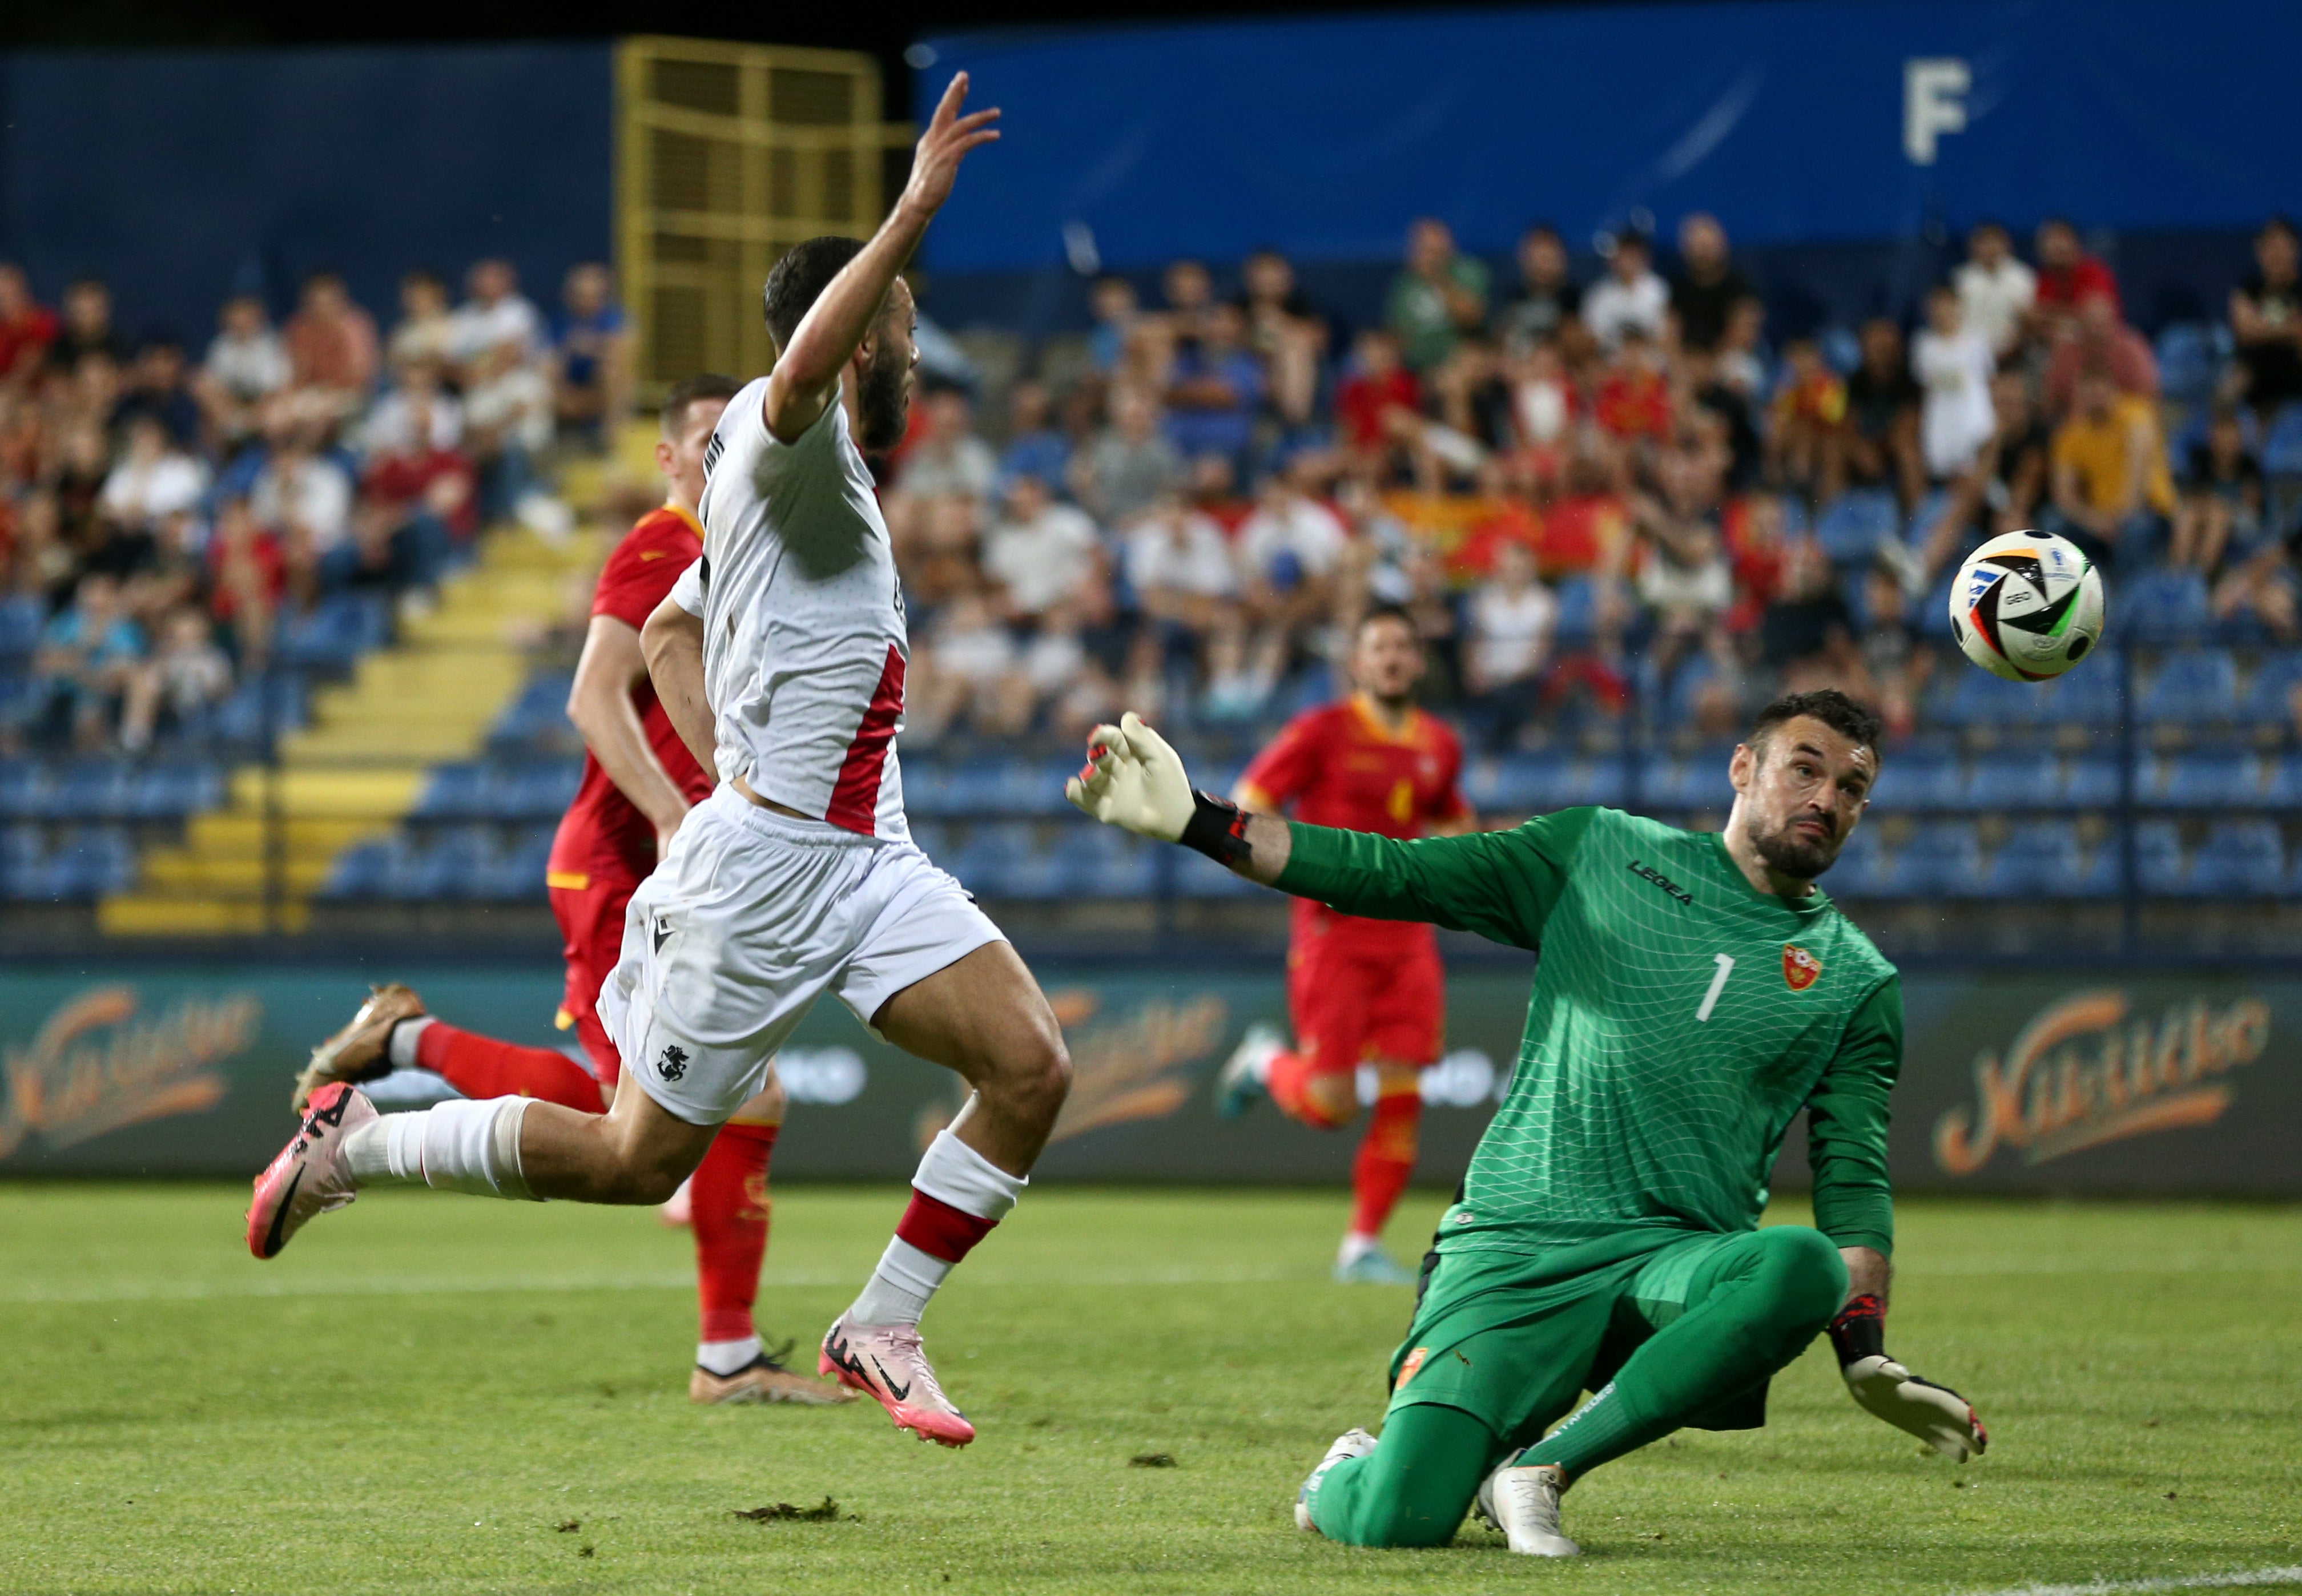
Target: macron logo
(1647,873)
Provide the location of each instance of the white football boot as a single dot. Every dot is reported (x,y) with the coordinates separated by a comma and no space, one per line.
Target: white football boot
(1522,1501)
(1351,1443)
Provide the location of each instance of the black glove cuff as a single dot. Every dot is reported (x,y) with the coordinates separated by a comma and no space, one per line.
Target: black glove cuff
(1859,1331)
(1217,828)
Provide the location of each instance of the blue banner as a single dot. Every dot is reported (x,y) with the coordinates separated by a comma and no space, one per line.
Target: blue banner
(1798,121)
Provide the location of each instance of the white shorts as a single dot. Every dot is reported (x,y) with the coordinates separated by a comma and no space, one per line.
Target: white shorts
(749,919)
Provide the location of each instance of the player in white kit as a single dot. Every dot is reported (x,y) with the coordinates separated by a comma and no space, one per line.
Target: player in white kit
(780,660)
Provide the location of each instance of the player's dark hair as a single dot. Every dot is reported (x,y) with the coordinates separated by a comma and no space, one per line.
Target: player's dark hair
(703,385)
(799,280)
(1386,612)
(1834,709)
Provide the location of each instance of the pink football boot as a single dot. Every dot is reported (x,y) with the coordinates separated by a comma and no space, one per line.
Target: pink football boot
(885,1362)
(309,1176)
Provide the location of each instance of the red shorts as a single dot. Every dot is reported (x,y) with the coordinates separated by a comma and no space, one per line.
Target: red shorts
(592,931)
(1353,1006)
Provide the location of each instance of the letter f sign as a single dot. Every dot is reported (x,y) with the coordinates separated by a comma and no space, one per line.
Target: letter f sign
(1934,102)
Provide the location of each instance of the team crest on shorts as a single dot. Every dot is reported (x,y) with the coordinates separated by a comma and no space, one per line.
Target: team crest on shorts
(1800,969)
(1413,1362)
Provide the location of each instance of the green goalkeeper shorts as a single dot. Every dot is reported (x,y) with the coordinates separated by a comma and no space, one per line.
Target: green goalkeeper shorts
(1514,1338)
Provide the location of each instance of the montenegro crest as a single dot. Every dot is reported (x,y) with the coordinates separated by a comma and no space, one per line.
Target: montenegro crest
(1800,969)
(1413,1362)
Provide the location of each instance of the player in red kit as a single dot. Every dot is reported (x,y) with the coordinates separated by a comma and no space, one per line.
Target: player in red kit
(1358,991)
(639,782)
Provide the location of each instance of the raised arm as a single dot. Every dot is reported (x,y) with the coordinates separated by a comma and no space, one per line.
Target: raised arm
(806,375)
(601,705)
(673,642)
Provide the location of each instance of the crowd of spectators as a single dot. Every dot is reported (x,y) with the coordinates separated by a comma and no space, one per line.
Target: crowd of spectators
(167,511)
(1582,490)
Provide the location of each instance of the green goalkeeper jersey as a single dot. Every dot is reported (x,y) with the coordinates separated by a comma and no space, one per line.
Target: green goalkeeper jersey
(1680,1019)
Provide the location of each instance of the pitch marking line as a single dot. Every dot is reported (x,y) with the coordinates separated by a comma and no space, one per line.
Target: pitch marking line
(2194,1582)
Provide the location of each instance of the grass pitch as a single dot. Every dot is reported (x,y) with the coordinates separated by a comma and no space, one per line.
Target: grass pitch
(435,1393)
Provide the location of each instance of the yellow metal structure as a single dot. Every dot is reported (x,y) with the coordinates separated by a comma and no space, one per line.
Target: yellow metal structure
(727,155)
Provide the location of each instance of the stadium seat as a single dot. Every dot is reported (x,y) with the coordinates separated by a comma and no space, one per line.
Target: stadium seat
(2239,859)
(1856,873)
(174,789)
(2159,867)
(2216,778)
(534,790)
(2269,692)
(991,851)
(2088,696)
(21,617)
(2284,788)
(1198,876)
(2010,781)
(1853,525)
(23,788)
(1978,698)
(2091,782)
(2041,859)
(1698,781)
(2163,606)
(1941,860)
(2189,362)
(453,793)
(2191,687)
(1919,779)
(1578,611)
(2282,444)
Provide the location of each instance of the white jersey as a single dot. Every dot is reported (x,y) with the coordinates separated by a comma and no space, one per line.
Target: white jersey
(803,638)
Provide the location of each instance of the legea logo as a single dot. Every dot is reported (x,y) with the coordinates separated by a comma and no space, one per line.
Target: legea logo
(95,1067)
(2083,1073)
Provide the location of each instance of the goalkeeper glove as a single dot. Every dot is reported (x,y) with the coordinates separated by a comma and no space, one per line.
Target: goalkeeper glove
(1935,1413)
(1133,780)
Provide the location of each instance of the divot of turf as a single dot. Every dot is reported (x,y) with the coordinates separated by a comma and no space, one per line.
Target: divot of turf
(826,1511)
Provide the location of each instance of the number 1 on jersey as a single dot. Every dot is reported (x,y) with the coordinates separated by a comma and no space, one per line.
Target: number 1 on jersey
(1711,998)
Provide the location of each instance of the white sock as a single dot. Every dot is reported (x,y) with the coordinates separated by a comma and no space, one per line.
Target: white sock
(898,1291)
(1357,1246)
(958,1176)
(725,1357)
(458,1146)
(401,1048)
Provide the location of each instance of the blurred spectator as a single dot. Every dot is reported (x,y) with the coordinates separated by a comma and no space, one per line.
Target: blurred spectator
(1709,285)
(1123,471)
(1512,618)
(1180,567)
(1684,580)
(186,676)
(1113,305)
(154,479)
(1894,665)
(1996,291)
(426,331)
(1742,360)
(1440,296)
(1240,673)
(42,562)
(2265,318)
(332,350)
(1289,550)
(308,498)
(1728,406)
(945,457)
(249,573)
(413,416)
(1041,553)
(1544,401)
(1035,446)
(970,667)
(591,339)
(1378,406)
(2068,276)
(87,656)
(26,326)
(1630,295)
(1954,364)
(1807,635)
(1545,299)
(2111,484)
(2093,337)
(1189,291)
(1214,388)
(1879,446)
(246,365)
(1287,333)
(2010,480)
(87,328)
(2222,497)
(1634,401)
(495,325)
(159,385)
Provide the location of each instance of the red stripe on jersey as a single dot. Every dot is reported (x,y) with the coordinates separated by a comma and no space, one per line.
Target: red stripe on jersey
(855,795)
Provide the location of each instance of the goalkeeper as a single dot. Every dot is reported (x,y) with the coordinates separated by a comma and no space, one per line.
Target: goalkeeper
(1695,992)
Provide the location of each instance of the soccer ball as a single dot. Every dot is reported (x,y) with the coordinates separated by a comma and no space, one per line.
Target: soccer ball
(2027,606)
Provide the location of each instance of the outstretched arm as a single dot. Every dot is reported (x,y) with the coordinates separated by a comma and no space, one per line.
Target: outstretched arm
(807,374)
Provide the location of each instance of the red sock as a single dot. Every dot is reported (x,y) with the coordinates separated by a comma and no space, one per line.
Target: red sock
(1289,1075)
(729,1196)
(1385,1161)
(483,1067)
(939,1229)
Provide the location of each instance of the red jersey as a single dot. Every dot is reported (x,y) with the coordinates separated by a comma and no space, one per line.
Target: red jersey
(1340,765)
(603,832)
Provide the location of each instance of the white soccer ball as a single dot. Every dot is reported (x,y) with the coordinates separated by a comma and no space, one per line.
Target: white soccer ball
(2027,606)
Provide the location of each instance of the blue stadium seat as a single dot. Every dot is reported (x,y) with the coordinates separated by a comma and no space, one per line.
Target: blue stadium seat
(2041,860)
(976,786)
(2012,780)
(2239,859)
(454,792)
(1856,873)
(1578,611)
(91,861)
(1941,860)
(2159,867)
(2188,361)
(2163,606)
(2215,778)
(23,851)
(23,788)
(2092,782)
(1922,519)
(1125,867)
(21,617)
(1198,876)
(2192,686)
(1920,780)
(2284,790)
(517,874)
(361,871)
(1933,620)
(536,789)
(1520,783)
(1853,525)
(2088,695)
(2282,444)
(2270,693)
(989,853)
(93,789)
(172,790)
(1698,781)
(1978,698)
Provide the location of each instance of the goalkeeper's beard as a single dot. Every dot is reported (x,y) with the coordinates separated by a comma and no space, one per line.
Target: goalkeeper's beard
(1800,858)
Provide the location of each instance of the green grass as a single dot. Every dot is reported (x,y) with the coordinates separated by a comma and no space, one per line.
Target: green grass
(425,1388)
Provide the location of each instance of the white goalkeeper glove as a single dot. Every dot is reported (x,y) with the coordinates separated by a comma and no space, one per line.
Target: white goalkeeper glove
(1935,1413)
(1133,780)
